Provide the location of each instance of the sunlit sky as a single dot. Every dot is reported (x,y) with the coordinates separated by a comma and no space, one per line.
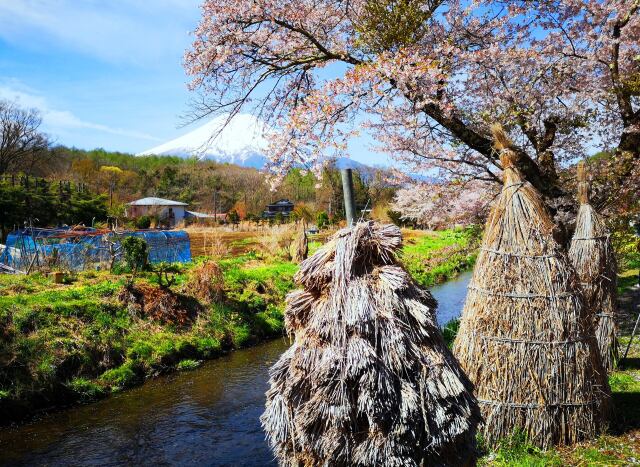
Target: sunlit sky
(105,73)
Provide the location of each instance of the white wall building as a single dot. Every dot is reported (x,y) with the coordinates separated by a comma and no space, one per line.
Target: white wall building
(168,212)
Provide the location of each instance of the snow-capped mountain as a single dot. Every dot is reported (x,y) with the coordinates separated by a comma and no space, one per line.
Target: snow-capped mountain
(241,142)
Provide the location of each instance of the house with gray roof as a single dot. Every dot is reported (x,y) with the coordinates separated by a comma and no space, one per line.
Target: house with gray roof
(169,212)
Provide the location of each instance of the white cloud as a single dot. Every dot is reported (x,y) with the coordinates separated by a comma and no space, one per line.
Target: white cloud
(55,121)
(130,32)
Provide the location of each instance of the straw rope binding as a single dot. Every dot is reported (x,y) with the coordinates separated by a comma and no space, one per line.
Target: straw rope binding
(593,257)
(526,340)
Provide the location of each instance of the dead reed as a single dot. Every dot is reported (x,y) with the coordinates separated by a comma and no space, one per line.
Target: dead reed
(301,244)
(368,380)
(593,257)
(206,283)
(526,341)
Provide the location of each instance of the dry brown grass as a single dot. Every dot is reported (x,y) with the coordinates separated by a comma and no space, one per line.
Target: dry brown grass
(159,304)
(206,283)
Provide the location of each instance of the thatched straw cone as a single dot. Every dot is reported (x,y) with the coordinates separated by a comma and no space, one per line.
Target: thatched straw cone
(368,380)
(592,255)
(525,339)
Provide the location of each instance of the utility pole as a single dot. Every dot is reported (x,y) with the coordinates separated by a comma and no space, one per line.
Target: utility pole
(349,201)
(215,206)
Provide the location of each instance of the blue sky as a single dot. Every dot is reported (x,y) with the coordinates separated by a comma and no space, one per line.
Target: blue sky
(104,73)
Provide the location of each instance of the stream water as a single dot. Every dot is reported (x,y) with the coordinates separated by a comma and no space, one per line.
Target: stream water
(209,416)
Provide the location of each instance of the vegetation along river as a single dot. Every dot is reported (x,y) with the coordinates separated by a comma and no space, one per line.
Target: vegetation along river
(209,416)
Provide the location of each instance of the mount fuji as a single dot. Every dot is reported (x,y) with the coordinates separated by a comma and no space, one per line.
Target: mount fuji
(241,142)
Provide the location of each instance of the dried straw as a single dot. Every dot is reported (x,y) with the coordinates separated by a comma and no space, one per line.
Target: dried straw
(525,339)
(368,380)
(301,244)
(592,255)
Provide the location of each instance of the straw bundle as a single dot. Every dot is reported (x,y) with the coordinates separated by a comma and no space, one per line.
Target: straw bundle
(301,245)
(525,339)
(368,380)
(592,255)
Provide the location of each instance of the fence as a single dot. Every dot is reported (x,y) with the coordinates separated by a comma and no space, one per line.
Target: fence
(77,250)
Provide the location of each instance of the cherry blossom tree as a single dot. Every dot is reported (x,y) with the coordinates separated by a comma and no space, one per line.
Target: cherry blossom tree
(434,205)
(428,78)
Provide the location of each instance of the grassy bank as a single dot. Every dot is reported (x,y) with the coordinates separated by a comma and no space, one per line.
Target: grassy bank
(64,343)
(435,257)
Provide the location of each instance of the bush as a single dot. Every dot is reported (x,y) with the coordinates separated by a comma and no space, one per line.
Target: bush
(322,220)
(135,253)
(143,222)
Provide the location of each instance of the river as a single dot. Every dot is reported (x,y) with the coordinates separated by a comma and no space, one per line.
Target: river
(209,416)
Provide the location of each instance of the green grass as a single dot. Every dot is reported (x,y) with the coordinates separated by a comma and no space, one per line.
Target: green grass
(188,364)
(450,331)
(516,450)
(438,256)
(80,340)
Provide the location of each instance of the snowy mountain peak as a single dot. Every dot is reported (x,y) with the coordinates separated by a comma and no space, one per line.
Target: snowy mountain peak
(241,142)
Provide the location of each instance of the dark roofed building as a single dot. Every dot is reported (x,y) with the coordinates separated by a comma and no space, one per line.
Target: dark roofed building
(283,206)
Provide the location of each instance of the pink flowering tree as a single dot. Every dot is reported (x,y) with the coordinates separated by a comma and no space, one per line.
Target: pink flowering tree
(427,79)
(434,205)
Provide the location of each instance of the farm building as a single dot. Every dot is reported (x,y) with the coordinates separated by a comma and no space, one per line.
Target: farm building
(168,212)
(283,206)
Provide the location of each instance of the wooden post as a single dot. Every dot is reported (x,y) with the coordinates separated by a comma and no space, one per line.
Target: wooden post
(349,201)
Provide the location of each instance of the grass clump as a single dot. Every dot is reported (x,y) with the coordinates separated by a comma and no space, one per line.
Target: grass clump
(87,390)
(122,377)
(450,331)
(188,364)
(516,450)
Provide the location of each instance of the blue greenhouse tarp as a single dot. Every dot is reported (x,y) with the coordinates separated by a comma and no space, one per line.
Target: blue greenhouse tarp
(31,247)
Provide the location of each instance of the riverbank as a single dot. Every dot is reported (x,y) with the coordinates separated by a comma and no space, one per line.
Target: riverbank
(79,341)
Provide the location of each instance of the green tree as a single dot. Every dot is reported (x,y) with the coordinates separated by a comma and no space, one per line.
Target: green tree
(322,220)
(135,254)
(234,217)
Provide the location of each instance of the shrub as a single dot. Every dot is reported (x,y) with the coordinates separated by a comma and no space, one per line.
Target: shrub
(143,222)
(135,253)
(322,220)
